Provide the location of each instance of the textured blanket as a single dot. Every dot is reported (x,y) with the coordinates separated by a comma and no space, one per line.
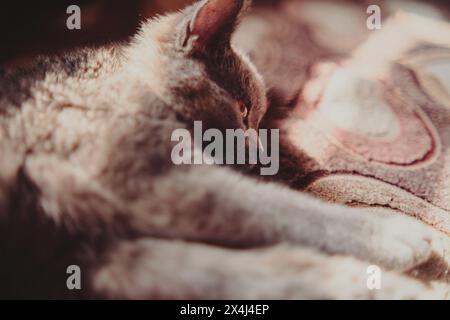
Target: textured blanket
(365,114)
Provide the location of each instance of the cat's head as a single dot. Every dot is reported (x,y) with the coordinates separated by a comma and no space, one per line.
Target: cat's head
(192,64)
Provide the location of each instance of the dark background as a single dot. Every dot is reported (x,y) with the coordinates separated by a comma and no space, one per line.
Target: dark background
(32,27)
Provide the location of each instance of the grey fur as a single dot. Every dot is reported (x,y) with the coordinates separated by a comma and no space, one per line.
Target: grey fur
(86,178)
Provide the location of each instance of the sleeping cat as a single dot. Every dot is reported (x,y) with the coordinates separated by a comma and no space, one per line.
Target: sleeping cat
(86,177)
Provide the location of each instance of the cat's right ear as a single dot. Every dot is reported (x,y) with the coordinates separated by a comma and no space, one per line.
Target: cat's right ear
(210,25)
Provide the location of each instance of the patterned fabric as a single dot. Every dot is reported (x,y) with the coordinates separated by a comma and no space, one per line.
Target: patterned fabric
(369,110)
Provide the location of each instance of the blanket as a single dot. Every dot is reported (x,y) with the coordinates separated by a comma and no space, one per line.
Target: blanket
(364,114)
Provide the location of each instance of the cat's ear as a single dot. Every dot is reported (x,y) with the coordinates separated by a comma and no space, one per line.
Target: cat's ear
(212,24)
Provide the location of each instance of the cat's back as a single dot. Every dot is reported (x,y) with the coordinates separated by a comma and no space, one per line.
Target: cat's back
(80,105)
(50,104)
(70,72)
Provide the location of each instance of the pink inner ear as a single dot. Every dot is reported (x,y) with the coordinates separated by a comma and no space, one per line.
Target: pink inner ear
(216,19)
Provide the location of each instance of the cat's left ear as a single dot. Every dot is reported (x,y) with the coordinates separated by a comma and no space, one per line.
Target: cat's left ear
(212,24)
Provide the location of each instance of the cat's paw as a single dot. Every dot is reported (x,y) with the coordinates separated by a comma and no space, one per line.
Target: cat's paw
(398,242)
(317,276)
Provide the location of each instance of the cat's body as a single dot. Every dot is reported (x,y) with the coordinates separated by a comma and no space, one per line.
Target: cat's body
(86,177)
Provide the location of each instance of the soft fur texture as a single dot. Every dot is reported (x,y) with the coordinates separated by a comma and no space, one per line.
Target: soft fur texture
(86,178)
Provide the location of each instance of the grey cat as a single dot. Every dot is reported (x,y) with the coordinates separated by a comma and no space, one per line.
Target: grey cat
(86,178)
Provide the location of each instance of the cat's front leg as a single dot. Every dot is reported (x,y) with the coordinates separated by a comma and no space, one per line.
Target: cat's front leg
(160,269)
(219,206)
